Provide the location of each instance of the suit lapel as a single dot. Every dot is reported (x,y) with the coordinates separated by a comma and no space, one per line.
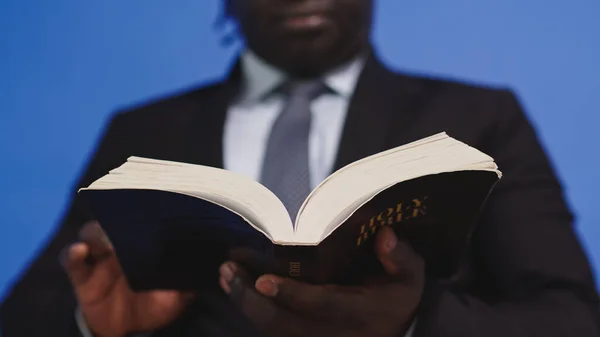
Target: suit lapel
(204,143)
(380,106)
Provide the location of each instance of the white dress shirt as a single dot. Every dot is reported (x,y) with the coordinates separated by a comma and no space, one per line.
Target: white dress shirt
(251,116)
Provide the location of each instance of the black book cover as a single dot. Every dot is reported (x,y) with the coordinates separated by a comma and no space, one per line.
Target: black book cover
(167,240)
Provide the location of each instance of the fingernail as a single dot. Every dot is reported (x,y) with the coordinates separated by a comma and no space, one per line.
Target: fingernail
(227,271)
(99,233)
(390,243)
(106,240)
(224,285)
(91,231)
(267,286)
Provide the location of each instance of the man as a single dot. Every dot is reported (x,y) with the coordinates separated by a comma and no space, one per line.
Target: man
(526,274)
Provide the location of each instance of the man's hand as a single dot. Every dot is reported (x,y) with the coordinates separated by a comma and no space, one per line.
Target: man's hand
(284,307)
(109,306)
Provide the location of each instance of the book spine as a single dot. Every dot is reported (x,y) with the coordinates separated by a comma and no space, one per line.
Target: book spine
(298,262)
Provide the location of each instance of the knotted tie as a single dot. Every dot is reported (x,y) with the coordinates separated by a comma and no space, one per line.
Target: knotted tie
(285,169)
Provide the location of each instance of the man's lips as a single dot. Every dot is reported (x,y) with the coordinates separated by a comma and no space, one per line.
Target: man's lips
(306,18)
(305,21)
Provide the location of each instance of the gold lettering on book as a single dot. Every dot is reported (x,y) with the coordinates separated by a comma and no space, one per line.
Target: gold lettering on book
(294,269)
(418,208)
(403,211)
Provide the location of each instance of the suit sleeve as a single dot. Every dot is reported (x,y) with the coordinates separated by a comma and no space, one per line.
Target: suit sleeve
(529,274)
(42,303)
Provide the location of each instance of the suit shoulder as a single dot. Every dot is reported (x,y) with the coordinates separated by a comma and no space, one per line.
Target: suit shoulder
(461,99)
(454,86)
(470,111)
(177,102)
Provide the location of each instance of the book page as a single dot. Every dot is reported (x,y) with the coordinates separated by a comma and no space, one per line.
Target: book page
(244,196)
(342,193)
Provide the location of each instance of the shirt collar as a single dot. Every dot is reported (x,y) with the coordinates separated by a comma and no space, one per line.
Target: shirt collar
(260,78)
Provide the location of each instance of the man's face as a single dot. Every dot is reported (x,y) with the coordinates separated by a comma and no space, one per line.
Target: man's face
(304,37)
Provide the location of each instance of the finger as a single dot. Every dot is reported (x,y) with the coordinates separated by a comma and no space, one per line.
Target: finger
(92,234)
(163,305)
(397,256)
(74,263)
(336,303)
(261,311)
(235,280)
(254,262)
(226,275)
(164,301)
(264,313)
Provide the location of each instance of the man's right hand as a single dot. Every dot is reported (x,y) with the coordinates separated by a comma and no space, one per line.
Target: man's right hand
(109,306)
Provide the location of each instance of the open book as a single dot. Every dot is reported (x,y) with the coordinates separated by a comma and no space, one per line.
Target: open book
(169,222)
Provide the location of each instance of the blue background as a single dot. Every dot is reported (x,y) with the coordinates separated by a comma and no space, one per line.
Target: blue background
(65,65)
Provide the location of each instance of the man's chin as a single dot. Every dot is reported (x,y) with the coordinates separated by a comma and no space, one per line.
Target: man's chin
(308,64)
(310,58)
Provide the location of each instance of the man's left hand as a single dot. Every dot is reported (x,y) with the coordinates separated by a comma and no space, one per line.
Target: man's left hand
(281,306)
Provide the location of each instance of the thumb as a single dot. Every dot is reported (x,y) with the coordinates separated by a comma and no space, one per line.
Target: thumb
(73,259)
(98,243)
(397,257)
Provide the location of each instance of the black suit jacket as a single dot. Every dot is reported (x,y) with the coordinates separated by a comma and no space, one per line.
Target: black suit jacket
(526,274)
